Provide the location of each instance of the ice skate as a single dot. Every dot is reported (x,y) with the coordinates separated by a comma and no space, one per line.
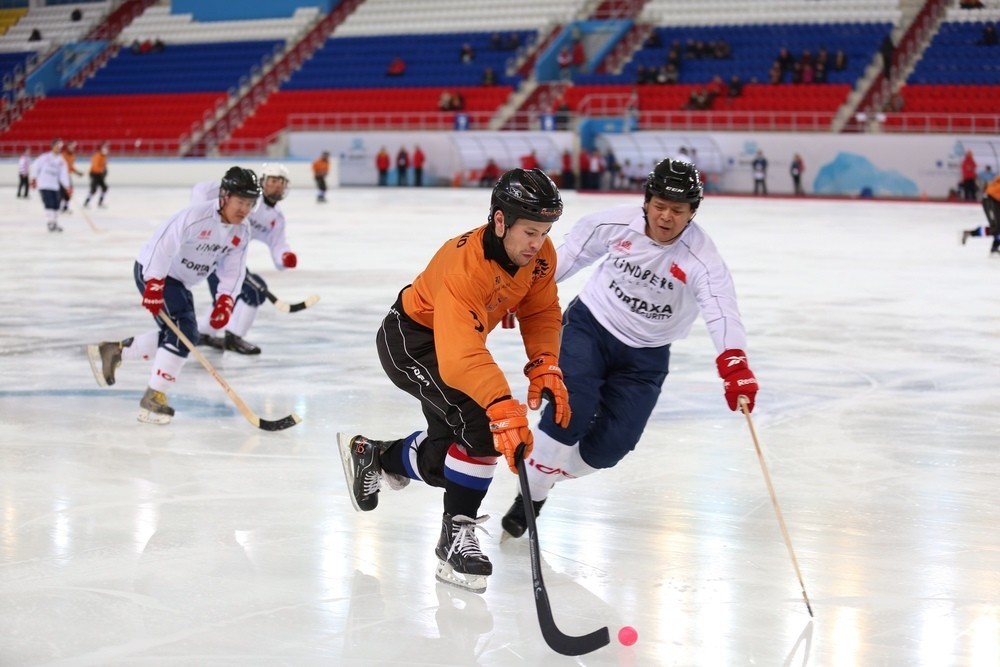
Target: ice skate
(216,342)
(965,236)
(238,345)
(54,227)
(461,562)
(154,408)
(515,522)
(105,358)
(362,470)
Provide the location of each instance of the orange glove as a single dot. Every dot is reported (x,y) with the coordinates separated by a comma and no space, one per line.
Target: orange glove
(509,426)
(546,380)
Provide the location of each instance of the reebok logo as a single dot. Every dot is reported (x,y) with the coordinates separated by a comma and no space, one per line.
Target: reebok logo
(735,360)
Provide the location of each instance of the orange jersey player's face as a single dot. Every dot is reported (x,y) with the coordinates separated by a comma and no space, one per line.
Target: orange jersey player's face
(666,219)
(524,239)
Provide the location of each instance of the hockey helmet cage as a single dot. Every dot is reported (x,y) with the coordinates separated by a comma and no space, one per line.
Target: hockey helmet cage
(240,182)
(530,194)
(675,180)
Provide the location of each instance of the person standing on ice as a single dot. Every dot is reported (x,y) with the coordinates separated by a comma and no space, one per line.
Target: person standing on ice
(267,224)
(50,174)
(432,345)
(205,237)
(657,271)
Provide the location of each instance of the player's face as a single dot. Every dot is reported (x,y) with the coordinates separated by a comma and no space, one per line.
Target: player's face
(274,187)
(524,239)
(235,208)
(666,219)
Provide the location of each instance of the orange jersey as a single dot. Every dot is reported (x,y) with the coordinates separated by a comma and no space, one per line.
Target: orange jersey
(993,189)
(70,161)
(321,167)
(462,296)
(98,163)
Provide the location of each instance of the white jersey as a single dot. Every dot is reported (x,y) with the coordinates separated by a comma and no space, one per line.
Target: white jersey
(195,242)
(24,165)
(647,294)
(267,223)
(50,171)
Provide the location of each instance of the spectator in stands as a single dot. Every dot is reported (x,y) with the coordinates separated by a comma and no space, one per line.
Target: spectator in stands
(785,60)
(496,42)
(490,175)
(397,67)
(568,177)
(797,73)
(565,61)
(716,88)
(895,103)
(444,101)
(466,54)
(382,166)
(579,56)
(839,61)
(35,36)
(457,101)
(489,77)
(135,47)
(321,168)
(796,169)
(158,45)
(513,43)
(806,57)
(698,100)
(23,171)
(691,49)
(722,50)
(968,184)
(667,75)
(806,75)
(989,37)
(775,75)
(674,55)
(146,46)
(654,41)
(402,166)
(759,168)
(530,161)
(819,73)
(562,114)
(75,15)
(735,86)
(640,75)
(887,49)
(418,166)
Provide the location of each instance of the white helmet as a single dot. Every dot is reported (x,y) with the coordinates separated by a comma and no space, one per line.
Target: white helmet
(274,170)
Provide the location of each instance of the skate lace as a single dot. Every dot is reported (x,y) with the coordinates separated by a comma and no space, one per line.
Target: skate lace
(372,481)
(465,540)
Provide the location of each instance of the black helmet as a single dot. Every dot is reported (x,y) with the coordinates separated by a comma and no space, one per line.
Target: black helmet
(527,194)
(240,182)
(675,180)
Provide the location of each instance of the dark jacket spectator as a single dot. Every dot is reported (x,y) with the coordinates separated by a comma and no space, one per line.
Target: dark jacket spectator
(397,67)
(989,37)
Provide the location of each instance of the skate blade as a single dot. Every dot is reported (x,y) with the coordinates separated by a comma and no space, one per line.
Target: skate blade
(504,536)
(344,445)
(474,583)
(96,364)
(149,417)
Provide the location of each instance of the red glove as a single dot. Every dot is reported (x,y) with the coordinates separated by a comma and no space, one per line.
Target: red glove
(34,184)
(509,426)
(152,296)
(223,309)
(546,380)
(289,260)
(737,378)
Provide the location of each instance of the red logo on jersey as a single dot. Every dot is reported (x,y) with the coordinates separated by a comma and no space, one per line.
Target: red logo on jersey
(678,273)
(623,247)
(273,223)
(236,240)
(205,234)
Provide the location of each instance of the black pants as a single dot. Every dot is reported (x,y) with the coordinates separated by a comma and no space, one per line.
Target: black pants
(97,183)
(23,185)
(759,186)
(406,350)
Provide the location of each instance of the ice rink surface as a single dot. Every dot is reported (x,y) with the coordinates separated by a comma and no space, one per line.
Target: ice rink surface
(874,334)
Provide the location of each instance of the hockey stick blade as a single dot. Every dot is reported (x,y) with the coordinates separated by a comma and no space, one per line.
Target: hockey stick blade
(557,640)
(279,424)
(286,307)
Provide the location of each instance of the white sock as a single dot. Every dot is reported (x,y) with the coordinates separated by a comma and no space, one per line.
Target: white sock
(143,347)
(242,318)
(547,463)
(166,369)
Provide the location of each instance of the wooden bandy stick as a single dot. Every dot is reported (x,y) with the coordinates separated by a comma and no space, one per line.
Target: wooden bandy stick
(251,416)
(744,406)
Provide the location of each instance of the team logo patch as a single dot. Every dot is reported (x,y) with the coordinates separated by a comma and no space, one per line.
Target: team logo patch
(236,240)
(623,246)
(678,273)
(205,234)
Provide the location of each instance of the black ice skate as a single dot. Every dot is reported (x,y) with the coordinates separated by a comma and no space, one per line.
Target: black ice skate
(105,358)
(154,408)
(514,522)
(214,342)
(461,562)
(362,469)
(240,346)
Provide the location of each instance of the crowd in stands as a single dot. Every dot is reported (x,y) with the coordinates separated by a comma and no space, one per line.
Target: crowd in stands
(147,46)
